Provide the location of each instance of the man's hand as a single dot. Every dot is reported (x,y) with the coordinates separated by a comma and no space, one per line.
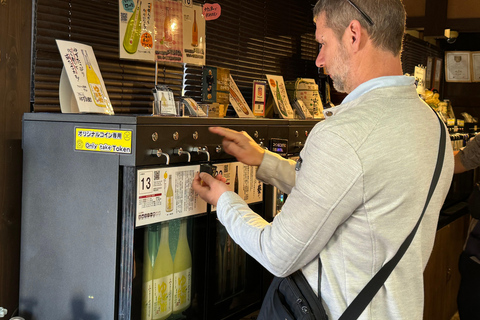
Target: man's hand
(208,187)
(240,145)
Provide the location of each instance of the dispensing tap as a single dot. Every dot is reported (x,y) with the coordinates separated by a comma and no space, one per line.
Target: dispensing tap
(202,150)
(180,152)
(159,153)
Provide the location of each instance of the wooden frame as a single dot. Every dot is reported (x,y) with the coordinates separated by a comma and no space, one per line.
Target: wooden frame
(428,73)
(457,66)
(437,73)
(475,61)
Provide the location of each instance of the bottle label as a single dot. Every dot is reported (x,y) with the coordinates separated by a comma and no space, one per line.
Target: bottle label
(97,93)
(169,203)
(147,299)
(162,297)
(182,290)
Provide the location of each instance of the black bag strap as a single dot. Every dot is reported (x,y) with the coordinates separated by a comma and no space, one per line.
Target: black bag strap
(355,309)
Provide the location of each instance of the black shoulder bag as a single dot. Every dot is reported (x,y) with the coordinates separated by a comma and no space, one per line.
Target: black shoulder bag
(292,298)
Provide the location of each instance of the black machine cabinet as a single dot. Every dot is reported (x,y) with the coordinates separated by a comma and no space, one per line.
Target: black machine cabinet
(83,237)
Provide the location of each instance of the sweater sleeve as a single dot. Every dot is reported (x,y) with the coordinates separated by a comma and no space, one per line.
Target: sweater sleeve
(323,197)
(470,155)
(277,171)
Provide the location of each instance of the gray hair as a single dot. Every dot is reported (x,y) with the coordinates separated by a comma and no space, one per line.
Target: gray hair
(388,17)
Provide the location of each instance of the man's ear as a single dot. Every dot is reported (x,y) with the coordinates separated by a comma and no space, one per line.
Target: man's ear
(354,34)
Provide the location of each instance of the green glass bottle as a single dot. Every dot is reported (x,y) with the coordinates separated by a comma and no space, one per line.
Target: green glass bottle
(134,28)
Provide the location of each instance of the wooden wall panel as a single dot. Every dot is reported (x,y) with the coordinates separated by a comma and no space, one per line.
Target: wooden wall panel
(463,9)
(415,8)
(15,42)
(441,276)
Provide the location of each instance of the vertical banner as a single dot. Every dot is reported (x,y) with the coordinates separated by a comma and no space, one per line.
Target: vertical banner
(209,84)
(136,26)
(193,35)
(259,98)
(169,30)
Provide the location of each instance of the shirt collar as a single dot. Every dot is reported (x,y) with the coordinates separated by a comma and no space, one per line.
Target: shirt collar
(388,81)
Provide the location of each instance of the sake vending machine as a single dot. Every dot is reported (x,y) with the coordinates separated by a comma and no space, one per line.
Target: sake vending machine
(111,228)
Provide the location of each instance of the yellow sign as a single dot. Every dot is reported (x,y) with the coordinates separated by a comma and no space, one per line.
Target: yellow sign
(103,140)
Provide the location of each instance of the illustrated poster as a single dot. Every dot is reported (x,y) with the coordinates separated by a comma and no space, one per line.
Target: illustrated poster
(81,86)
(259,97)
(169,30)
(166,194)
(242,180)
(193,35)
(280,96)
(136,29)
(238,101)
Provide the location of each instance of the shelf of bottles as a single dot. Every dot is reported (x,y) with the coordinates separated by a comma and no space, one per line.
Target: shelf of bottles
(190,268)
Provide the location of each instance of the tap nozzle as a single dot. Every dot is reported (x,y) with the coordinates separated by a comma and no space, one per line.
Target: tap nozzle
(180,152)
(159,153)
(203,150)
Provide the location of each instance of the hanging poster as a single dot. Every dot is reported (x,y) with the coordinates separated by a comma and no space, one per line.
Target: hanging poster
(81,86)
(193,35)
(169,30)
(166,194)
(280,96)
(136,29)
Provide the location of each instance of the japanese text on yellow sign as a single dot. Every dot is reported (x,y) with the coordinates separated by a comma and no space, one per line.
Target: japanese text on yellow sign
(100,140)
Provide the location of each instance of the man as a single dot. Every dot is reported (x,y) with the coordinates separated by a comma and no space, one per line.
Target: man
(469,263)
(363,176)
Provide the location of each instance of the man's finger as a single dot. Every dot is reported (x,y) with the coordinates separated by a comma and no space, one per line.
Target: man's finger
(208,179)
(227,133)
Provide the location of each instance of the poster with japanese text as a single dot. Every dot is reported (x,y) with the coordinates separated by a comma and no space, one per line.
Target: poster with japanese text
(136,29)
(280,96)
(81,85)
(193,35)
(168,31)
(238,101)
(166,194)
(241,179)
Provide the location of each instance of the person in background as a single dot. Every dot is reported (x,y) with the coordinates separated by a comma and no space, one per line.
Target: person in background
(469,263)
(362,179)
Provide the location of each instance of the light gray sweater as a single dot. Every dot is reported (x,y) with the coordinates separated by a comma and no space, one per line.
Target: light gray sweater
(362,185)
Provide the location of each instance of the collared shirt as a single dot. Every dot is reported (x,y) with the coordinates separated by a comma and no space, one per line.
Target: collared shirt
(389,81)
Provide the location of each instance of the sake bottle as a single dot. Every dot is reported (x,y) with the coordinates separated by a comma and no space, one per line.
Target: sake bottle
(219,261)
(235,184)
(182,268)
(163,278)
(150,252)
(96,89)
(164,105)
(228,265)
(169,204)
(134,28)
(194,30)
